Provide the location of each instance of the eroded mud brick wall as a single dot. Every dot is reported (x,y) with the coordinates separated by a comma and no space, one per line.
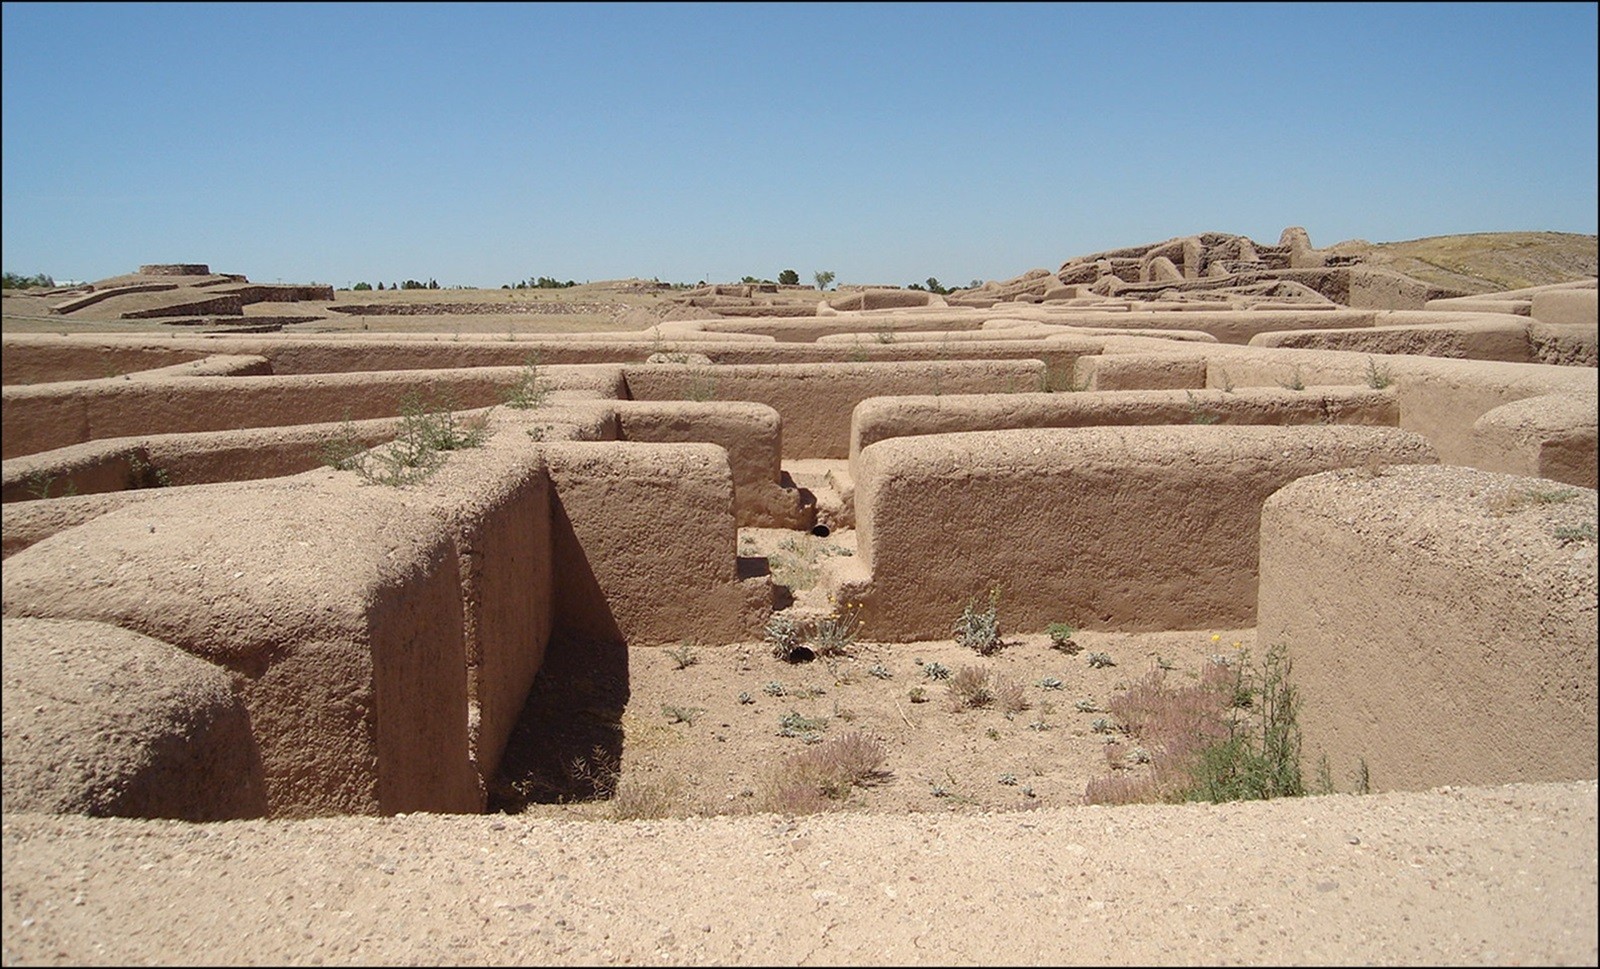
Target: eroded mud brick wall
(1552,436)
(1441,622)
(43,417)
(106,722)
(1138,528)
(815,400)
(752,435)
(646,546)
(337,607)
(881,418)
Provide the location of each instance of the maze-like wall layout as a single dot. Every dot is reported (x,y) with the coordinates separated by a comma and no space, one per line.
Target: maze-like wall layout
(250,572)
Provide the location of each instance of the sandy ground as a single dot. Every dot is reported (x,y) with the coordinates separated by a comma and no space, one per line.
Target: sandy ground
(1502,876)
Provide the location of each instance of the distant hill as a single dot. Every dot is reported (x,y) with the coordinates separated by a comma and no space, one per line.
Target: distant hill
(1484,262)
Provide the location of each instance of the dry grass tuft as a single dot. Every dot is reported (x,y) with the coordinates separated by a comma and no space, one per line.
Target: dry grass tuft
(970,688)
(1174,724)
(817,778)
(643,798)
(1010,694)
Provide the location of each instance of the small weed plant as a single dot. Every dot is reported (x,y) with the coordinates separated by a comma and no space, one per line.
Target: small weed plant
(1061,640)
(1580,534)
(1378,378)
(39,485)
(531,389)
(823,775)
(835,633)
(796,641)
(427,430)
(785,637)
(808,729)
(683,656)
(978,627)
(676,714)
(143,474)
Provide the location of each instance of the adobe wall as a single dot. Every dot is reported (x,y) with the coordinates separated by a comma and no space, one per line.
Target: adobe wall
(1439,398)
(77,302)
(1467,336)
(494,502)
(25,523)
(750,433)
(42,361)
(337,610)
(1575,307)
(106,722)
(182,459)
(1153,370)
(1441,629)
(815,401)
(881,418)
(1565,345)
(82,356)
(809,329)
(1554,436)
(647,546)
(1136,528)
(1226,326)
(47,416)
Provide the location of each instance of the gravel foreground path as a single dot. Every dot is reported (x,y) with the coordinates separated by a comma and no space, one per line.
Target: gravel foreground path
(1454,876)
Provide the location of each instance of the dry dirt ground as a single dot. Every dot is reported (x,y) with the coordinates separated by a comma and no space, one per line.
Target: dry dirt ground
(706,729)
(1502,876)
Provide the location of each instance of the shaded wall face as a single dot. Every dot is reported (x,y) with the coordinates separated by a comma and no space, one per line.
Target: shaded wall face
(494,503)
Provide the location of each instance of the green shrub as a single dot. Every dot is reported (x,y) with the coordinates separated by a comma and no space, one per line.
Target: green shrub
(426,431)
(531,389)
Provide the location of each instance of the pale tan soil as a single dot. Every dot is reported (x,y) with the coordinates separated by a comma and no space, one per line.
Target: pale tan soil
(1502,876)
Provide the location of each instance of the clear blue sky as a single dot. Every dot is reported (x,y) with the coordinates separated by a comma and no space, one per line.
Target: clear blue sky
(483,144)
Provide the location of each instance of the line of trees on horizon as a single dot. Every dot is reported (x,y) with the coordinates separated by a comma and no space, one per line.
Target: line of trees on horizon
(18,281)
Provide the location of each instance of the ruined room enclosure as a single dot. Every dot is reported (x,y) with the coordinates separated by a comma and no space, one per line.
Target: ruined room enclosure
(224,610)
